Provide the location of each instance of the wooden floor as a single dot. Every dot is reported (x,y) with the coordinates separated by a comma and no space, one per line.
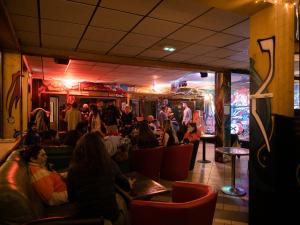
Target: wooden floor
(229,210)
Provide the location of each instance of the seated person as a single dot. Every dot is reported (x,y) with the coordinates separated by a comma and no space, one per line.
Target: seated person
(49,137)
(73,136)
(145,138)
(191,134)
(32,136)
(48,184)
(169,136)
(151,122)
(91,181)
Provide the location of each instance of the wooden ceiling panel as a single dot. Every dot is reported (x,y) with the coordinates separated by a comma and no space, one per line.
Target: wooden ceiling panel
(24,7)
(178,45)
(25,23)
(133,6)
(223,62)
(61,28)
(217,20)
(239,46)
(139,40)
(29,38)
(241,56)
(190,34)
(94,46)
(68,11)
(178,57)
(201,59)
(113,19)
(154,53)
(66,43)
(241,29)
(124,50)
(103,35)
(89,2)
(178,10)
(198,49)
(155,27)
(221,53)
(220,40)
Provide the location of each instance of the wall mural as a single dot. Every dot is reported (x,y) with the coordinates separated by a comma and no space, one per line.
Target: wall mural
(13,95)
(274,161)
(266,45)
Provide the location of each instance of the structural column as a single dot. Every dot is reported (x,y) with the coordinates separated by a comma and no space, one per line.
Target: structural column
(222,114)
(271,93)
(15,94)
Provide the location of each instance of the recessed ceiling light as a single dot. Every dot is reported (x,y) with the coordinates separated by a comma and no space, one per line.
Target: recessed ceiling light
(169,48)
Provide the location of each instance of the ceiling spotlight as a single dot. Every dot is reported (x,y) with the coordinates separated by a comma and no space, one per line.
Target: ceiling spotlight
(169,49)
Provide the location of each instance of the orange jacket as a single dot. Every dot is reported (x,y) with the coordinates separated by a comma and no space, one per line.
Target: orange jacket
(48,184)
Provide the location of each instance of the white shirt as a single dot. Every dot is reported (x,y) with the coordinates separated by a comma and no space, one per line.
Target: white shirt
(187,116)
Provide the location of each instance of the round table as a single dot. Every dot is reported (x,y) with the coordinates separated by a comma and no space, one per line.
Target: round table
(204,138)
(233,152)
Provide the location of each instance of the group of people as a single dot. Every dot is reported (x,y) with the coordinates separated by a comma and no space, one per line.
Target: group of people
(93,172)
(89,182)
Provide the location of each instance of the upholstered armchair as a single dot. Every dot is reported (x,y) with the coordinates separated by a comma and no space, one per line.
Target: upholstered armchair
(147,161)
(176,162)
(192,204)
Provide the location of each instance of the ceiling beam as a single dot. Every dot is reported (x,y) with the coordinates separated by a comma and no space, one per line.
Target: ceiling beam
(116,59)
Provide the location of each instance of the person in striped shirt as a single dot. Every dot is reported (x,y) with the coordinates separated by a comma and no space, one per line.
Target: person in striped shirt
(48,184)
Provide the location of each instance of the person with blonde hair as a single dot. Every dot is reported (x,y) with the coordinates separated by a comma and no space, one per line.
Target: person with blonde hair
(169,136)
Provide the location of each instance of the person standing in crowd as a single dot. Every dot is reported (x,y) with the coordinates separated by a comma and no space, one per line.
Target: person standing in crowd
(95,120)
(111,116)
(171,117)
(99,104)
(186,119)
(85,112)
(49,185)
(91,181)
(162,116)
(40,117)
(73,117)
(126,120)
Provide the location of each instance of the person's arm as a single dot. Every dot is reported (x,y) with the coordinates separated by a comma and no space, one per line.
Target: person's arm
(120,178)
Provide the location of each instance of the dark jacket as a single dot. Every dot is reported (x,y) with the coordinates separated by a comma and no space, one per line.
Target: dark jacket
(94,191)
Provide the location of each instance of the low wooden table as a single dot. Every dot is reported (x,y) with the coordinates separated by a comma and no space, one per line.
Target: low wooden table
(143,187)
(233,152)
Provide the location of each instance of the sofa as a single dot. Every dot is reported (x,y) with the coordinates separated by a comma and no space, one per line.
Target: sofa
(147,161)
(176,162)
(20,204)
(192,204)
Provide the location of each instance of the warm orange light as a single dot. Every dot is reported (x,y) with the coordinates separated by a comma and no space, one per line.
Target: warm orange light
(69,83)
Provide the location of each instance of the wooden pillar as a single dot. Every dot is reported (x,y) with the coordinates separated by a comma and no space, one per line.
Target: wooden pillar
(271,53)
(15,96)
(222,114)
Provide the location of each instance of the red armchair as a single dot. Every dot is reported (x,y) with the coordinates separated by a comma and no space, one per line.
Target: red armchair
(192,204)
(147,161)
(176,162)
